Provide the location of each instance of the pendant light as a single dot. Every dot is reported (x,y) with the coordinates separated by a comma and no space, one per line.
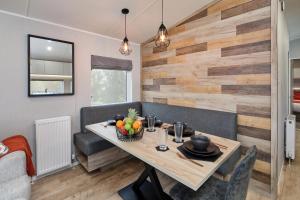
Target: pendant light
(125,49)
(162,40)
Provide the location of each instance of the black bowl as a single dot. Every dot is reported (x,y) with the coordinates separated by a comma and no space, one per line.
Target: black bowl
(158,123)
(200,142)
(118,117)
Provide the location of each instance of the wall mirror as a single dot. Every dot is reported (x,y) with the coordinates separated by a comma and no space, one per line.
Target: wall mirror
(50,67)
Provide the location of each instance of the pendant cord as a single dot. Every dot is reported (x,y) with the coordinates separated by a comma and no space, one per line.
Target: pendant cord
(125,27)
(162,11)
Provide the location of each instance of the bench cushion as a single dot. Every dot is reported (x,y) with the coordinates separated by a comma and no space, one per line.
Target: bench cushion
(89,143)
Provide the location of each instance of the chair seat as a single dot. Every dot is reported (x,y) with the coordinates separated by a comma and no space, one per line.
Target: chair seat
(212,189)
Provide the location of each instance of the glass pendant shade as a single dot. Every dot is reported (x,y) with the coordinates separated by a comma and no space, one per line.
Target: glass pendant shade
(162,38)
(125,49)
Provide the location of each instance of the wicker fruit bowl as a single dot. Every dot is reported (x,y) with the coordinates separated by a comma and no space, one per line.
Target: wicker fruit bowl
(129,138)
(130,128)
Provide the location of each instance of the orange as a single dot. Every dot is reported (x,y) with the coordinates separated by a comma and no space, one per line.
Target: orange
(120,123)
(137,124)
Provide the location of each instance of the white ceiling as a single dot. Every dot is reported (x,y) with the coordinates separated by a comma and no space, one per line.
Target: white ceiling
(292,13)
(104,16)
(43,49)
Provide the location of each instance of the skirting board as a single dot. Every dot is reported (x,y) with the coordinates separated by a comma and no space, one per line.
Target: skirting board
(35,178)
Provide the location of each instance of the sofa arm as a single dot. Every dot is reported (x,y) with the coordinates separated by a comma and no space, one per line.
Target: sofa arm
(12,165)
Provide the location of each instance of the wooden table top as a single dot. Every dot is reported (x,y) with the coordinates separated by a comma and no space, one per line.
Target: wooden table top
(183,170)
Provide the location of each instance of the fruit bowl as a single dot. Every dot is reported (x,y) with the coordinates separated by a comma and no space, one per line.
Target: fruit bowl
(129,138)
(130,128)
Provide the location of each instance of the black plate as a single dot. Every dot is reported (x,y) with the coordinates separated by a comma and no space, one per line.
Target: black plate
(189,146)
(188,132)
(111,122)
(214,153)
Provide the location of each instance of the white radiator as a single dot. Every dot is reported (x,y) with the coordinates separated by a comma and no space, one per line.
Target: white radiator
(290,137)
(53,144)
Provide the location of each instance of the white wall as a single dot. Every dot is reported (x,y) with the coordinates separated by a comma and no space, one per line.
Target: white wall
(283,83)
(17,111)
(295,49)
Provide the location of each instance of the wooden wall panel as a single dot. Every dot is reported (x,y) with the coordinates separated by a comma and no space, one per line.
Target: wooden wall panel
(263,68)
(245,7)
(219,59)
(195,17)
(253,26)
(246,48)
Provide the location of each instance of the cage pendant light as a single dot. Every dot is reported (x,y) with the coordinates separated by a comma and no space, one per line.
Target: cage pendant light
(125,48)
(162,39)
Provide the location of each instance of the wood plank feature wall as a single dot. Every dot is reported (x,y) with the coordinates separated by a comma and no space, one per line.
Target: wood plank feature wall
(219,59)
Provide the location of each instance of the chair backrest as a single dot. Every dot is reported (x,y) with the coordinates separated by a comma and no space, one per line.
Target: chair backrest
(238,184)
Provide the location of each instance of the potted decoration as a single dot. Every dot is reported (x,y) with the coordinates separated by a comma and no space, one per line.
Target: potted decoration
(130,128)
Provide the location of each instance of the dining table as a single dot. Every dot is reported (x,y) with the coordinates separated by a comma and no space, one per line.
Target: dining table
(190,172)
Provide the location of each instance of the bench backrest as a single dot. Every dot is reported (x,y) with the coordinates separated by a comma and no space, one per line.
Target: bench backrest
(223,124)
(218,123)
(96,114)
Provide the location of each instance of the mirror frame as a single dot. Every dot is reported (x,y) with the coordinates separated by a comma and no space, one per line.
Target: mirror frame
(28,60)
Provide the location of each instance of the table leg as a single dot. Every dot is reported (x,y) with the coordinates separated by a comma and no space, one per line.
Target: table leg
(142,189)
(157,186)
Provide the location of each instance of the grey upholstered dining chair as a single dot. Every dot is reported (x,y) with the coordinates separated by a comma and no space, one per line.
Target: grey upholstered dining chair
(214,189)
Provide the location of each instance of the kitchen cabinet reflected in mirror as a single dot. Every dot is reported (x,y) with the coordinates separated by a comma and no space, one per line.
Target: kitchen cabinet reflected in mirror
(51,67)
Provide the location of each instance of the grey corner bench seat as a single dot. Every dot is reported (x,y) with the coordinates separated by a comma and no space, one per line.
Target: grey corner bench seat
(93,147)
(94,152)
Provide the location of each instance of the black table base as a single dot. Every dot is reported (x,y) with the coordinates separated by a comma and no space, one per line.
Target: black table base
(142,189)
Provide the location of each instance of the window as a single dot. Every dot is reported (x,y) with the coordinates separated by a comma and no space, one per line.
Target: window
(110,80)
(108,86)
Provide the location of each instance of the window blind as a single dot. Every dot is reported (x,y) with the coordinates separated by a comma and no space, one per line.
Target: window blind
(101,62)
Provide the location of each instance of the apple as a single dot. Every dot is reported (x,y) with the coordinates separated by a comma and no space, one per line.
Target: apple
(123,131)
(131,131)
(128,120)
(127,126)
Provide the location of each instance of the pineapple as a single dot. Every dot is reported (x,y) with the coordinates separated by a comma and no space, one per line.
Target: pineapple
(133,114)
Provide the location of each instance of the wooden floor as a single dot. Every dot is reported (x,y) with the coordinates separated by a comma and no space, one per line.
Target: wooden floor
(291,184)
(76,184)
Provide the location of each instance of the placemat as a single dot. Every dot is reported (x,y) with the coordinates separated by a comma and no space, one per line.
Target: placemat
(158,149)
(190,156)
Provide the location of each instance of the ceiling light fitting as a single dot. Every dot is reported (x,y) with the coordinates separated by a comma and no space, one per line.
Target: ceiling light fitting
(162,39)
(125,48)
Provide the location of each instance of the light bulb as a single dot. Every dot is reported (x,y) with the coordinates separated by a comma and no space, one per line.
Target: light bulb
(125,46)
(162,37)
